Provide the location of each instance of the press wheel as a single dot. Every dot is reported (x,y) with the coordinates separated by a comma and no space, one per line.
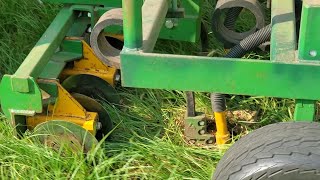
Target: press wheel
(92,105)
(57,134)
(91,86)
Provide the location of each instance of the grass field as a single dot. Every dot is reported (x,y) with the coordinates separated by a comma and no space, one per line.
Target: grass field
(147,142)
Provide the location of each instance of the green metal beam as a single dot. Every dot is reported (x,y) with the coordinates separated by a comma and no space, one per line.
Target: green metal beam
(110,3)
(40,55)
(132,23)
(22,85)
(221,75)
(70,50)
(188,27)
(309,48)
(16,103)
(283,37)
(304,110)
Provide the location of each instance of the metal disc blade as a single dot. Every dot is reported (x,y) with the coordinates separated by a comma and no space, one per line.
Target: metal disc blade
(91,86)
(93,106)
(57,133)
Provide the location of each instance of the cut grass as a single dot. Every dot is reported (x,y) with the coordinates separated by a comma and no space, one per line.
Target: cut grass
(147,142)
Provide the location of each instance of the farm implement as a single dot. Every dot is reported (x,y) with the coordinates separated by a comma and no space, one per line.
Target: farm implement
(93,46)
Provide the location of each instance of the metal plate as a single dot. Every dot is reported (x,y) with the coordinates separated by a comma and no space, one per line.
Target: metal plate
(91,86)
(93,106)
(58,133)
(199,131)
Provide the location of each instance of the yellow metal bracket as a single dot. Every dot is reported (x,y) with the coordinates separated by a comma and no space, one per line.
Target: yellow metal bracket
(64,108)
(90,64)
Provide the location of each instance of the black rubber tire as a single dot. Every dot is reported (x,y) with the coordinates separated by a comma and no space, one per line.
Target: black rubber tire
(283,151)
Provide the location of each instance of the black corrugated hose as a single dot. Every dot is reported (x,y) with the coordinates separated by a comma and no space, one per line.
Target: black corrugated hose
(231,17)
(218,101)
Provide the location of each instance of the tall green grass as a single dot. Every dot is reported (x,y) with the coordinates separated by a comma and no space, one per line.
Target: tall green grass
(147,142)
(21,25)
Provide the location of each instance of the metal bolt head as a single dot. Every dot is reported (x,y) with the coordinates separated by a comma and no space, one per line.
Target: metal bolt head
(117,77)
(313,53)
(99,125)
(202,132)
(89,29)
(210,141)
(169,24)
(201,123)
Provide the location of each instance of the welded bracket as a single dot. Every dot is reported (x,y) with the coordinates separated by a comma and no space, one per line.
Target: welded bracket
(196,130)
(309,49)
(197,125)
(305,110)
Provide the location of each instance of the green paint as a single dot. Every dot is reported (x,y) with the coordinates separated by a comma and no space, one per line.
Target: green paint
(19,103)
(110,3)
(132,23)
(174,5)
(52,70)
(70,50)
(20,84)
(308,44)
(282,77)
(79,27)
(187,28)
(305,110)
(221,75)
(50,88)
(309,31)
(40,55)
(72,46)
(283,37)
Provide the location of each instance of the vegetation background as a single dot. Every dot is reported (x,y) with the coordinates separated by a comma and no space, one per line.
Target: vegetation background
(148,141)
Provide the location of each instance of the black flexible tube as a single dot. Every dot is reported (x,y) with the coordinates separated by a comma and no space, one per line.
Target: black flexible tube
(218,101)
(231,17)
(250,42)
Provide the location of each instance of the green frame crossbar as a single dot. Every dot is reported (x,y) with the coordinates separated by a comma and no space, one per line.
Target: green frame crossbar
(287,75)
(292,72)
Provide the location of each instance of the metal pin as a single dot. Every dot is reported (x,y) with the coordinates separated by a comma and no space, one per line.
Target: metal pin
(313,53)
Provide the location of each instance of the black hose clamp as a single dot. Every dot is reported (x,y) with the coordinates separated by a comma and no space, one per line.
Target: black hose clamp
(228,36)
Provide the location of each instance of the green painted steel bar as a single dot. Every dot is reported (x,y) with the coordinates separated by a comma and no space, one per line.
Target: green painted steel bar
(221,75)
(110,3)
(309,47)
(283,37)
(174,5)
(304,110)
(40,55)
(132,23)
(70,50)
(188,27)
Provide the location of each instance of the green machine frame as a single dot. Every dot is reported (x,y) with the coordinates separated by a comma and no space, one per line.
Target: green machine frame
(292,72)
